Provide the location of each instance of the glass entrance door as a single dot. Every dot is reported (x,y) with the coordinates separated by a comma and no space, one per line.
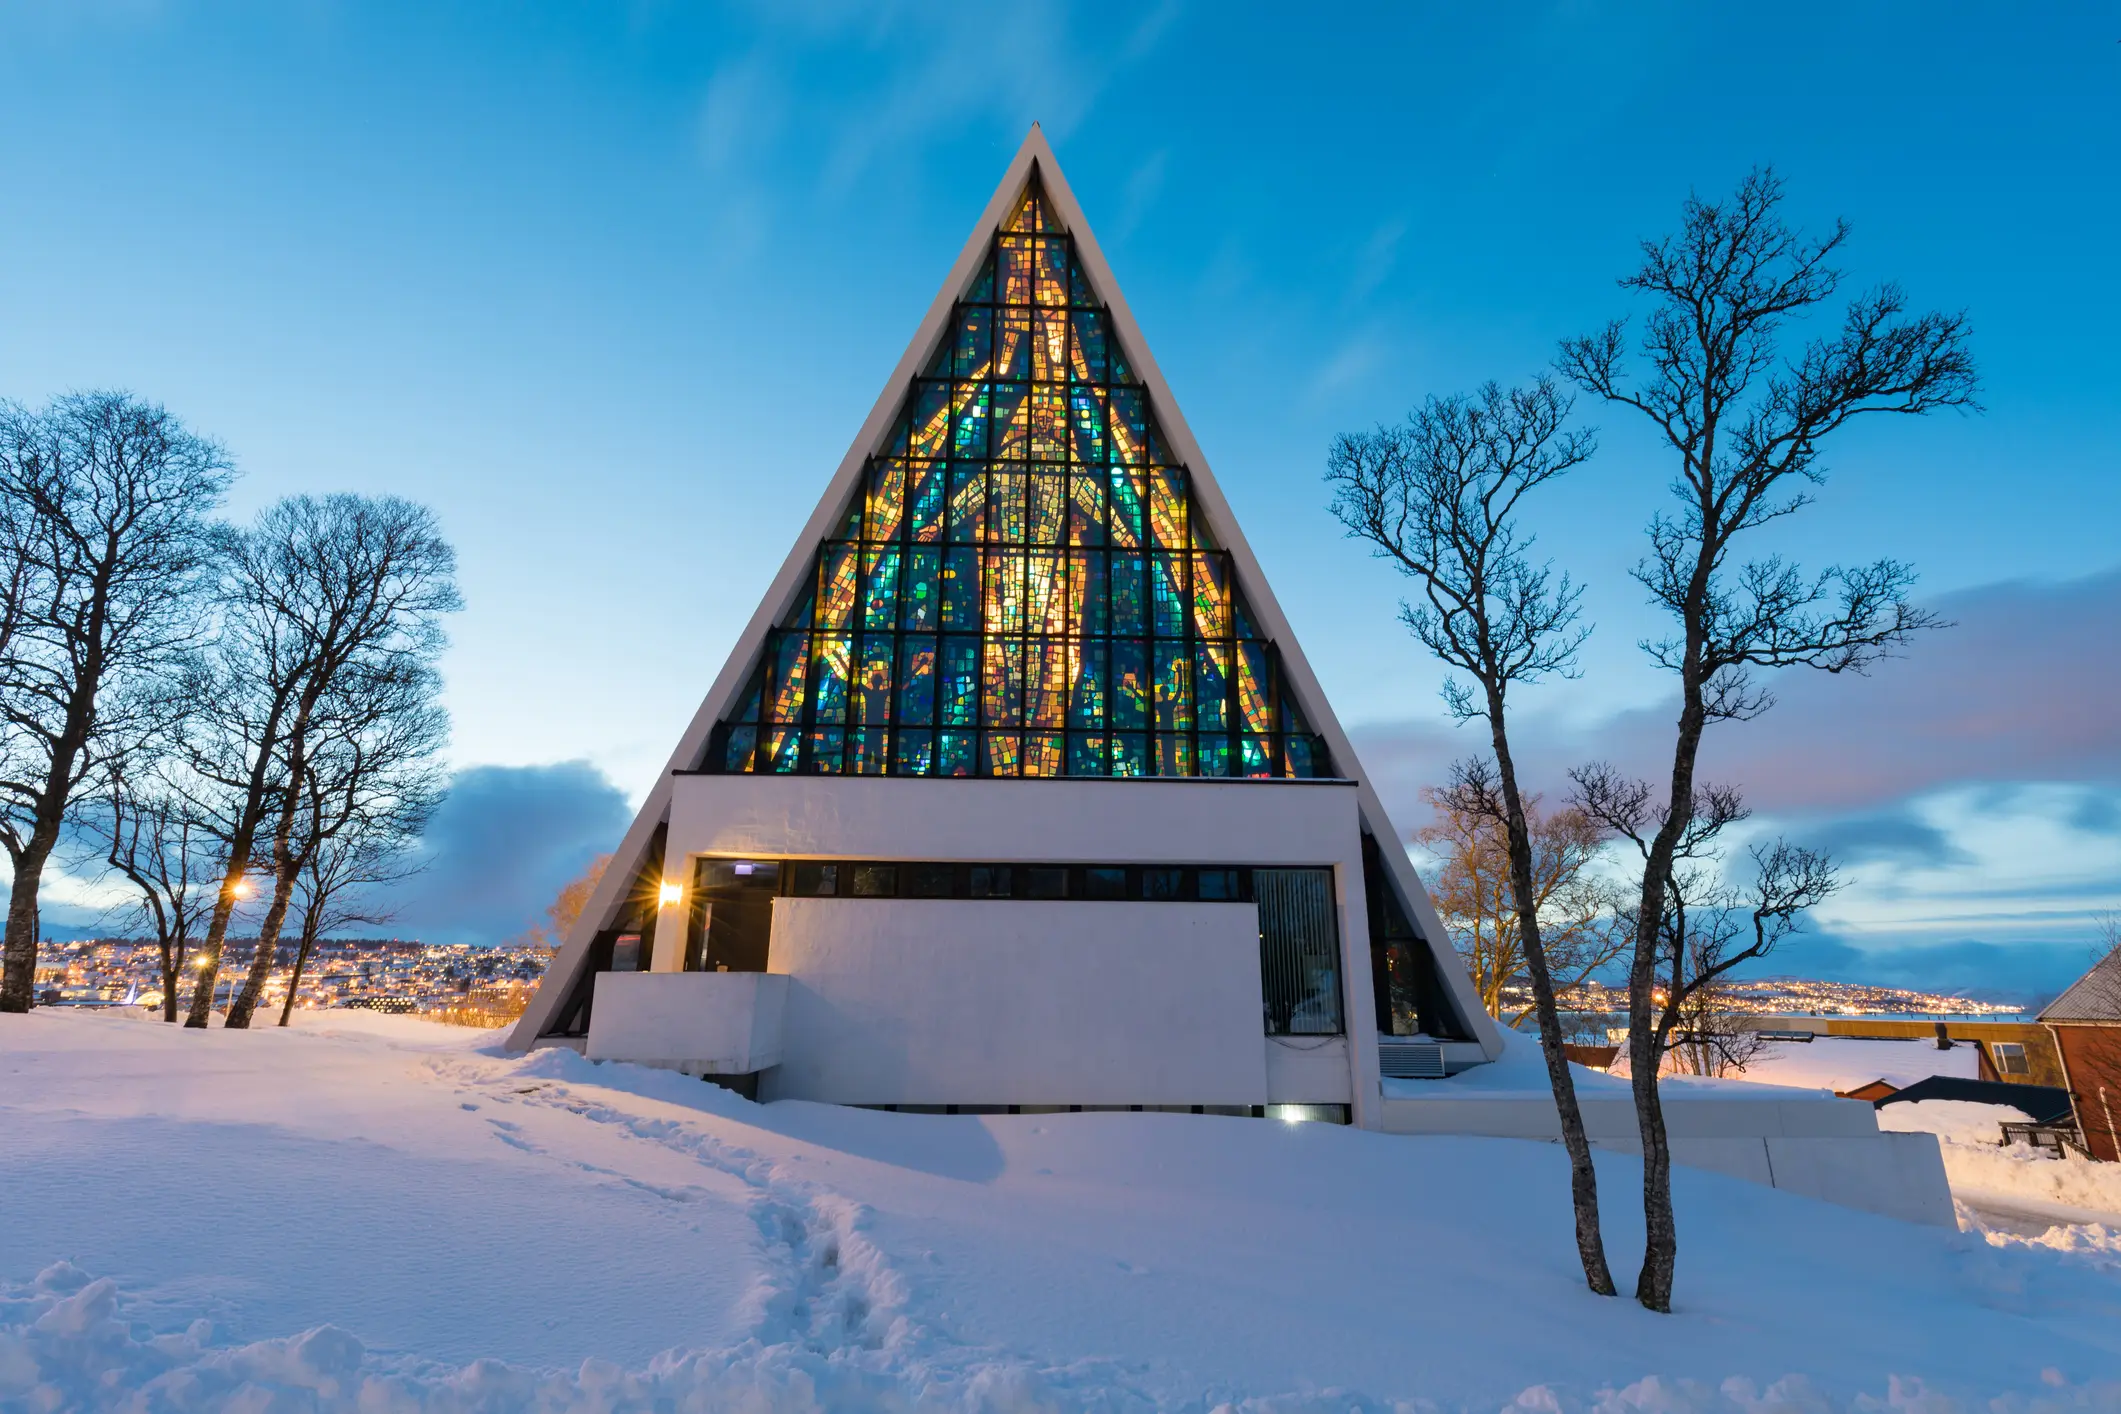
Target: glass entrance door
(730,923)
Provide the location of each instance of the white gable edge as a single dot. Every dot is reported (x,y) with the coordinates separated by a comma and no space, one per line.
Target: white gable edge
(1208,496)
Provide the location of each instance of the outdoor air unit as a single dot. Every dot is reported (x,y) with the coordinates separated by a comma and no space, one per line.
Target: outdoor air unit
(1410,1060)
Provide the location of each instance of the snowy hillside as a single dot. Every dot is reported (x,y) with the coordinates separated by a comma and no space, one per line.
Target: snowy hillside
(376,1213)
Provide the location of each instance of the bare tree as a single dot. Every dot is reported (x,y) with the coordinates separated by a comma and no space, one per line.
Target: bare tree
(1711,926)
(107,504)
(1473,893)
(366,799)
(1439,495)
(566,907)
(1747,424)
(321,591)
(157,842)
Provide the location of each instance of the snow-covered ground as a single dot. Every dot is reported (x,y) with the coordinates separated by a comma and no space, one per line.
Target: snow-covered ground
(1845,1062)
(2018,1182)
(376,1213)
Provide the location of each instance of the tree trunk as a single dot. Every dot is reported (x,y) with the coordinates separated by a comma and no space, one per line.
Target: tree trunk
(18,988)
(202,996)
(246,1001)
(18,981)
(1660,1252)
(1583,1176)
(309,940)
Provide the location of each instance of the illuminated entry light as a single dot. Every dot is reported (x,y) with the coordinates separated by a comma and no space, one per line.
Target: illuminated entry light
(671,893)
(1298,1114)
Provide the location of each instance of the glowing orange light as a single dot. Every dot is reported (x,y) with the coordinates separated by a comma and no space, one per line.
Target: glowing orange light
(671,892)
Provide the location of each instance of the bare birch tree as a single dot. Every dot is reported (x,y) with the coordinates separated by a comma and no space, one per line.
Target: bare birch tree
(318,588)
(366,799)
(157,842)
(1746,423)
(1439,496)
(1711,925)
(107,500)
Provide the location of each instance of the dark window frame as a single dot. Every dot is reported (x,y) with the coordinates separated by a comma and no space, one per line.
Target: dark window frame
(1008,880)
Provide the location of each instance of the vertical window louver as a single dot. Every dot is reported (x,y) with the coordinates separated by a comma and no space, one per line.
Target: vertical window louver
(1299,951)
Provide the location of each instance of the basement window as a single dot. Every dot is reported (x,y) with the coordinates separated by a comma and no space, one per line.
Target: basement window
(875,881)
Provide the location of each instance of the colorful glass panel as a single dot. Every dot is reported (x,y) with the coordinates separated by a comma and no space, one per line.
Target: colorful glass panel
(1023,585)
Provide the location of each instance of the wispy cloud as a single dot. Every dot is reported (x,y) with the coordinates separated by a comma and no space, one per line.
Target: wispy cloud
(905,75)
(1375,259)
(1144,184)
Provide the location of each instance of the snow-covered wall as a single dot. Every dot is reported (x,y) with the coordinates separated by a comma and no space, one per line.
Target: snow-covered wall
(961,1001)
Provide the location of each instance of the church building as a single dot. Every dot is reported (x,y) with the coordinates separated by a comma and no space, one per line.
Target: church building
(1016,793)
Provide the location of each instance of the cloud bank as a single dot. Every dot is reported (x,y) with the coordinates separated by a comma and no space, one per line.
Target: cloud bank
(1971,790)
(504,841)
(2022,687)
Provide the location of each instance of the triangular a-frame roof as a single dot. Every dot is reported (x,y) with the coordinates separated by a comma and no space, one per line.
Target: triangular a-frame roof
(1034,163)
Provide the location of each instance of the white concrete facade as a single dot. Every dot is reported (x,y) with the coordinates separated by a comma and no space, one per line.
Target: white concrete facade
(979,1002)
(959,1001)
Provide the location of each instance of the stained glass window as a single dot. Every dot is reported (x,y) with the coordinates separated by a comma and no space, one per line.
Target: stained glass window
(1022,586)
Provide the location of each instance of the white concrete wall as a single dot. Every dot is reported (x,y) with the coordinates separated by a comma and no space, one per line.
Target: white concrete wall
(1123,821)
(1521,1116)
(1824,1148)
(966,1001)
(1307,1070)
(703,1023)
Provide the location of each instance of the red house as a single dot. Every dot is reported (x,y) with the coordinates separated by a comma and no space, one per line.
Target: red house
(2086,1022)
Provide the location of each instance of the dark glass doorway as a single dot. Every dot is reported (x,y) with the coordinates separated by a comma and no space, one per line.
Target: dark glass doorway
(729,924)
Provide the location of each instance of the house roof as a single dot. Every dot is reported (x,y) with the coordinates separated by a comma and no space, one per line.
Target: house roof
(2096,996)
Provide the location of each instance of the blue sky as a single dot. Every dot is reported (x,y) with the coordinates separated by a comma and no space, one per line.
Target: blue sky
(612,285)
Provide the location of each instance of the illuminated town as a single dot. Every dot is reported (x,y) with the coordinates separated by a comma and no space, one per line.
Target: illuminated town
(489,985)
(1793,996)
(449,981)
